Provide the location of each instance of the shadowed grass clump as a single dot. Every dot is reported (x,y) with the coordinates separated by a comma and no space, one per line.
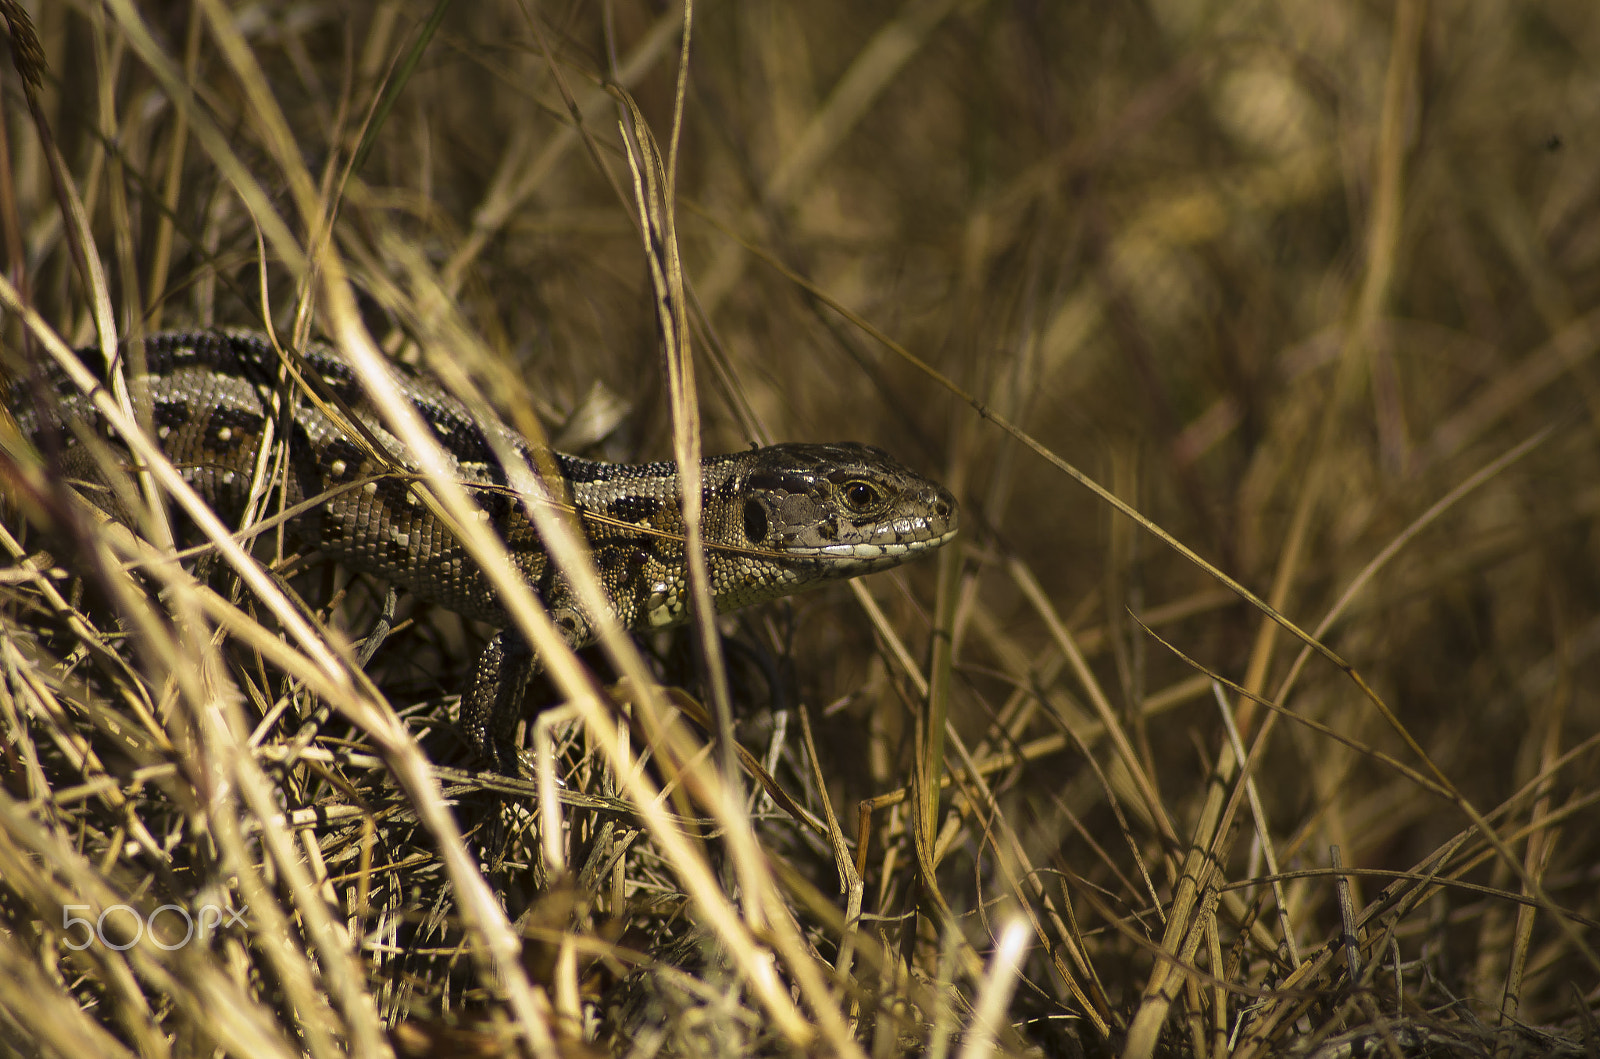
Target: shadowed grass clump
(1252,714)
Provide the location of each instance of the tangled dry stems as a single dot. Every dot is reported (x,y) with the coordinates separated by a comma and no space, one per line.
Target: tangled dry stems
(1312,286)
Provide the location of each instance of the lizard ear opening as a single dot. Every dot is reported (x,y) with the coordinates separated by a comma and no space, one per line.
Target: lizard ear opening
(755,522)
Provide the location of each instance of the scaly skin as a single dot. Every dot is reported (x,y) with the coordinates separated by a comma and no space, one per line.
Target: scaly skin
(776,520)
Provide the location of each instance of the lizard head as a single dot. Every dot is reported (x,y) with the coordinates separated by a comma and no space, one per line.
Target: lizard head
(786,518)
(845,508)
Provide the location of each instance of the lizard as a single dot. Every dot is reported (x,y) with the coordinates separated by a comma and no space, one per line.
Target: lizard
(776,520)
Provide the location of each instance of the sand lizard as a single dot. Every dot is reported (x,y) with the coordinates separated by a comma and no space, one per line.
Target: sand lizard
(776,520)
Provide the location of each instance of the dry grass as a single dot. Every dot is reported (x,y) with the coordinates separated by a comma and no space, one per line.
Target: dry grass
(1314,287)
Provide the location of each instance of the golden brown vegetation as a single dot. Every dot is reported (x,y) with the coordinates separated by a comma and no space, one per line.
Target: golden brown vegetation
(1314,287)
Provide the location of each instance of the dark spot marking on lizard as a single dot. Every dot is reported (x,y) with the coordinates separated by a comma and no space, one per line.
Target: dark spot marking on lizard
(624,558)
(634,508)
(166,353)
(229,428)
(496,504)
(399,554)
(459,437)
(390,497)
(173,412)
(341,384)
(248,357)
(581,471)
(341,458)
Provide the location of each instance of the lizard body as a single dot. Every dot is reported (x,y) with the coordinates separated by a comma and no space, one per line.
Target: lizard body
(776,520)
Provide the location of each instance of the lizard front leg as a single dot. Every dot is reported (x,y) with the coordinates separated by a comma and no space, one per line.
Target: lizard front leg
(491,707)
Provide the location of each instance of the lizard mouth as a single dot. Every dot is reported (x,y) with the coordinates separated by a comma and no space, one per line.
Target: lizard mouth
(871,550)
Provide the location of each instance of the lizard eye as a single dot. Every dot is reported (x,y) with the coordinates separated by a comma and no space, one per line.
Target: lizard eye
(860,495)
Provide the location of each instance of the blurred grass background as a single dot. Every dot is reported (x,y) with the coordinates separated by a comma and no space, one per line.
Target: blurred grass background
(1280,275)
